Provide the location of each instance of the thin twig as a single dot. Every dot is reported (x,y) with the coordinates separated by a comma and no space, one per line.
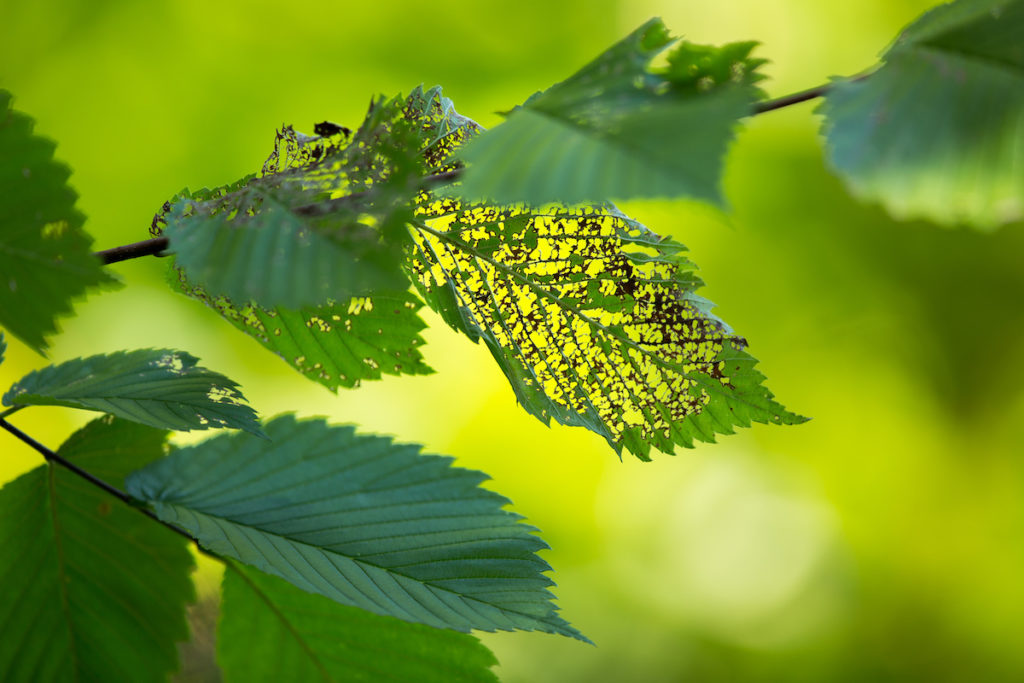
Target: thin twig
(802,96)
(150,247)
(92,479)
(11,411)
(795,98)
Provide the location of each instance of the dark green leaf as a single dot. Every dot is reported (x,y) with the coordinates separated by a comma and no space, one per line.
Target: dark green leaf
(271,631)
(3,347)
(937,132)
(45,257)
(619,128)
(156,387)
(112,448)
(361,520)
(594,320)
(92,590)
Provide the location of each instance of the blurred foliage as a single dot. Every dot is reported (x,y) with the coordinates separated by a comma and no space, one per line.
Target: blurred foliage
(884,540)
(934,133)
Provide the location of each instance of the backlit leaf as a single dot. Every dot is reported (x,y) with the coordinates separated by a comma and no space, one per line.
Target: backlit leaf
(156,387)
(594,320)
(361,520)
(271,631)
(92,590)
(620,128)
(938,131)
(45,256)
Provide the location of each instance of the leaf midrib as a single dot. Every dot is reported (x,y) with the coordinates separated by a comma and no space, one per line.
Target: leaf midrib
(230,565)
(62,567)
(560,628)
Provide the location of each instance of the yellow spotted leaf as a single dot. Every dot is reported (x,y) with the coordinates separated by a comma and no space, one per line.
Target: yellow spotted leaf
(593,319)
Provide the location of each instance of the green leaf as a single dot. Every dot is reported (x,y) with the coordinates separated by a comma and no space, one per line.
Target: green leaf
(594,320)
(343,341)
(45,256)
(271,631)
(323,222)
(112,448)
(619,128)
(937,132)
(361,520)
(92,590)
(155,387)
(337,345)
(275,259)
(3,346)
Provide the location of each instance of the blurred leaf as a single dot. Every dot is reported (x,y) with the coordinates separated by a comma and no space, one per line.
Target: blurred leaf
(324,222)
(155,387)
(362,521)
(594,320)
(3,346)
(938,130)
(45,256)
(619,128)
(93,591)
(271,631)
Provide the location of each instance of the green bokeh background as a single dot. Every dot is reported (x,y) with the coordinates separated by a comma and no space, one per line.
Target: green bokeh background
(884,540)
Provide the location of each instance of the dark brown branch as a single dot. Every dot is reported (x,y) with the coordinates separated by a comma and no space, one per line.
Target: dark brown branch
(802,96)
(151,247)
(92,479)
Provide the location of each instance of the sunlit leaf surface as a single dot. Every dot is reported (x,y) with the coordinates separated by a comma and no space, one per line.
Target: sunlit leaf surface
(156,387)
(272,631)
(938,131)
(45,256)
(92,590)
(361,520)
(594,320)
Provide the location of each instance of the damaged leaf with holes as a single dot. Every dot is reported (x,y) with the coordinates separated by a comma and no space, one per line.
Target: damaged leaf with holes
(323,221)
(341,341)
(594,320)
(157,387)
(337,345)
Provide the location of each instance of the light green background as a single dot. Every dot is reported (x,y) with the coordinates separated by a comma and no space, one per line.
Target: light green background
(884,540)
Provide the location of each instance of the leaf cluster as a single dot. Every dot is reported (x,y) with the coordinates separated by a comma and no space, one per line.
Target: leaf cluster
(341,549)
